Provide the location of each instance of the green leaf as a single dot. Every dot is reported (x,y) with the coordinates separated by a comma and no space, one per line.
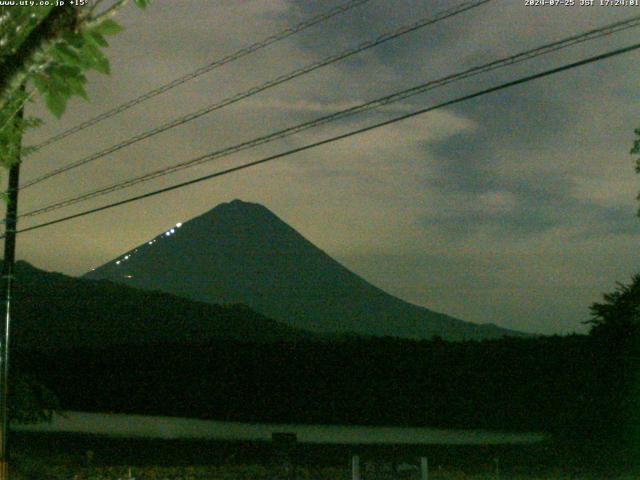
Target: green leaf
(142,3)
(77,87)
(32,122)
(26,151)
(67,71)
(58,83)
(102,65)
(64,53)
(74,39)
(93,56)
(108,27)
(99,39)
(41,83)
(56,103)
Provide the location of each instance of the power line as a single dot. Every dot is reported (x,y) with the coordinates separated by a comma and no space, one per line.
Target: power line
(244,51)
(391,35)
(381,101)
(244,166)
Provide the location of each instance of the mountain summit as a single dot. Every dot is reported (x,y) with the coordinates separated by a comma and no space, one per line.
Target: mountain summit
(241,252)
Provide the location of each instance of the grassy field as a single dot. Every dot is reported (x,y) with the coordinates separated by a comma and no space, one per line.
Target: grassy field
(85,457)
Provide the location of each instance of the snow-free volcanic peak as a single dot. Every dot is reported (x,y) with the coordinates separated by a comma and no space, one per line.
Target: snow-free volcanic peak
(241,252)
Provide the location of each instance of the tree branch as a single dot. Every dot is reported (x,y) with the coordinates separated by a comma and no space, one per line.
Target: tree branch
(19,107)
(109,12)
(15,66)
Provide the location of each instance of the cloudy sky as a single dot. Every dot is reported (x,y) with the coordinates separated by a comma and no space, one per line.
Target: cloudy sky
(516,208)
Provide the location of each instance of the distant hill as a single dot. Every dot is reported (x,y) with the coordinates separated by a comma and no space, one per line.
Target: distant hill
(55,310)
(241,252)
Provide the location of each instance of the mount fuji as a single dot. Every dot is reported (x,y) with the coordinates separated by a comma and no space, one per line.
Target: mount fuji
(241,252)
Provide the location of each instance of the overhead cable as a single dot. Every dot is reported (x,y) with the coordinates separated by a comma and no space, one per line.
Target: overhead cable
(243,52)
(352,133)
(260,88)
(376,103)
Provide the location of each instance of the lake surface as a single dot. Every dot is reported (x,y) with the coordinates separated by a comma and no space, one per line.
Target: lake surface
(120,425)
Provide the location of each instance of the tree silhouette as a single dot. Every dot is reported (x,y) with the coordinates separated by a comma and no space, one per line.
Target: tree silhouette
(618,317)
(616,334)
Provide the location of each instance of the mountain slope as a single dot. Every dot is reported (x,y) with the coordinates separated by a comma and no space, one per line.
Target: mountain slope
(54,310)
(241,252)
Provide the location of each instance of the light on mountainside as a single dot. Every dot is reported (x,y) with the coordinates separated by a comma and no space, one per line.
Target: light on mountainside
(258,260)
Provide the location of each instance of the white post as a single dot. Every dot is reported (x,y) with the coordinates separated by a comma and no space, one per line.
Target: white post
(424,468)
(355,467)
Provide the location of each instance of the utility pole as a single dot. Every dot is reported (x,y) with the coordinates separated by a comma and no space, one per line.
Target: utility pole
(11,220)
